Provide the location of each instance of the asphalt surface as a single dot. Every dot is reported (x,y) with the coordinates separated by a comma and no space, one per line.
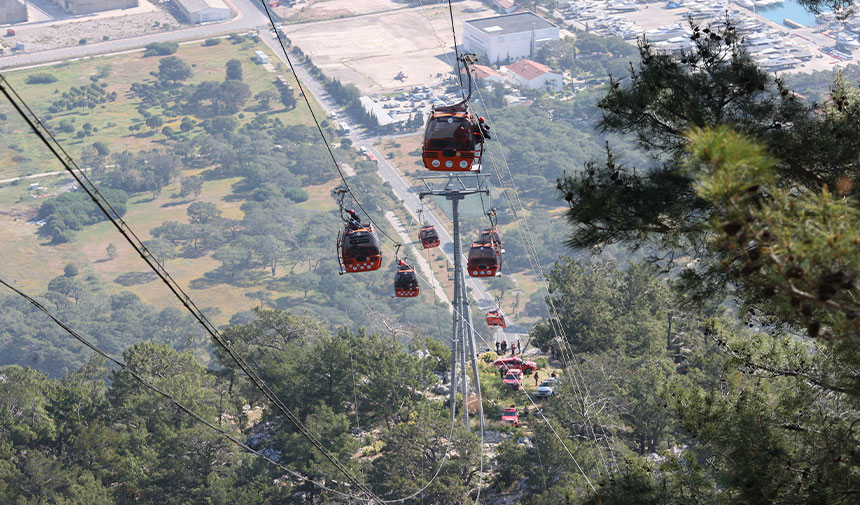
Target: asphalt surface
(249,17)
(399,186)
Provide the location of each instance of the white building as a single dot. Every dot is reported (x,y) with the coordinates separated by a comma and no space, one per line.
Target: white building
(511,36)
(531,74)
(201,11)
(12,11)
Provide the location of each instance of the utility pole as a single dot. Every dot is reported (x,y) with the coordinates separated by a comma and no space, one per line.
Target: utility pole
(455,187)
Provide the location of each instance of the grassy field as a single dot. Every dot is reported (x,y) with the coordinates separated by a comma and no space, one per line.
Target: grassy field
(24,155)
(30,262)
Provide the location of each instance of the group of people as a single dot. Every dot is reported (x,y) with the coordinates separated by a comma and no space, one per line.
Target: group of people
(502,347)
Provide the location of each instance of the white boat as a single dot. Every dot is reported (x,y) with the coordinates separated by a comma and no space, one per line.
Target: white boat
(779,63)
(676,44)
(666,33)
(746,4)
(844,40)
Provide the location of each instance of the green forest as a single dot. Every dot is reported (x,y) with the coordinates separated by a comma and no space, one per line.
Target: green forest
(701,312)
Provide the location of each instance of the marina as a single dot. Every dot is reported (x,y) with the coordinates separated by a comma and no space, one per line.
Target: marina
(779,34)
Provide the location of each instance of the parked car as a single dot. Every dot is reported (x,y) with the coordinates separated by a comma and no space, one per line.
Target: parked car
(526,367)
(547,388)
(514,378)
(510,415)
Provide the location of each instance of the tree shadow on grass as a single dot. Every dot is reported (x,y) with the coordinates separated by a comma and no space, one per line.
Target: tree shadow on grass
(175,204)
(221,275)
(135,278)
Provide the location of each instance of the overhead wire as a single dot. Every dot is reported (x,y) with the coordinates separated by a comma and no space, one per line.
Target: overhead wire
(197,417)
(346,184)
(534,260)
(318,124)
(126,231)
(104,205)
(572,457)
(531,249)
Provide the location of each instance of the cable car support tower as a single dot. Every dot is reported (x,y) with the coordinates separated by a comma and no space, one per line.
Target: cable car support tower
(455,187)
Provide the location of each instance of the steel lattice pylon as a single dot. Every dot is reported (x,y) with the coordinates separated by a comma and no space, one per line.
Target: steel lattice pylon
(455,187)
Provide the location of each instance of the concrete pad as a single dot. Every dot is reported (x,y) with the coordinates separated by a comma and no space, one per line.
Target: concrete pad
(369,51)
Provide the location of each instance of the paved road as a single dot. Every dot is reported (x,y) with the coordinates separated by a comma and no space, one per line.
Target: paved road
(400,187)
(249,17)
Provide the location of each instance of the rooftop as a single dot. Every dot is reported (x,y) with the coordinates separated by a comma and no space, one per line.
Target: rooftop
(482,72)
(199,5)
(511,23)
(528,69)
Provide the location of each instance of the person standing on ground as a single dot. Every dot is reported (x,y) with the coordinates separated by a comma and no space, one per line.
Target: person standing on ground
(519,347)
(537,378)
(497,347)
(504,346)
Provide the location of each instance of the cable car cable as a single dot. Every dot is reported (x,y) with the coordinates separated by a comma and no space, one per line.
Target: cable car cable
(531,249)
(555,433)
(317,122)
(124,366)
(92,191)
(456,51)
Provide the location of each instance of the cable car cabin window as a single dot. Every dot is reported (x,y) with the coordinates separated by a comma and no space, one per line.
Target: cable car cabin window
(428,237)
(405,280)
(361,245)
(483,254)
(483,261)
(450,132)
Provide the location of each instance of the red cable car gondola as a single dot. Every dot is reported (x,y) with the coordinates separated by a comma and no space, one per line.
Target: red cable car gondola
(484,260)
(405,281)
(496,319)
(453,139)
(357,245)
(358,249)
(485,255)
(428,237)
(449,139)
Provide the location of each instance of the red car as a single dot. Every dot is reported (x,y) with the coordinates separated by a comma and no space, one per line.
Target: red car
(515,362)
(514,378)
(510,415)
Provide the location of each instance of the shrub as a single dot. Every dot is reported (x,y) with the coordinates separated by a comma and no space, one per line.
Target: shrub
(296,194)
(212,42)
(82,41)
(489,356)
(41,78)
(70,270)
(161,48)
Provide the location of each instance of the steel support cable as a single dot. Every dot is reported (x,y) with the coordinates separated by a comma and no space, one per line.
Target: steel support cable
(532,250)
(197,417)
(343,178)
(456,48)
(317,122)
(552,311)
(444,457)
(539,411)
(104,205)
(555,321)
(575,462)
(480,395)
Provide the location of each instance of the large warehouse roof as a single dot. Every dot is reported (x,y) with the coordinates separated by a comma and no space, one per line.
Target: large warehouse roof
(199,5)
(510,23)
